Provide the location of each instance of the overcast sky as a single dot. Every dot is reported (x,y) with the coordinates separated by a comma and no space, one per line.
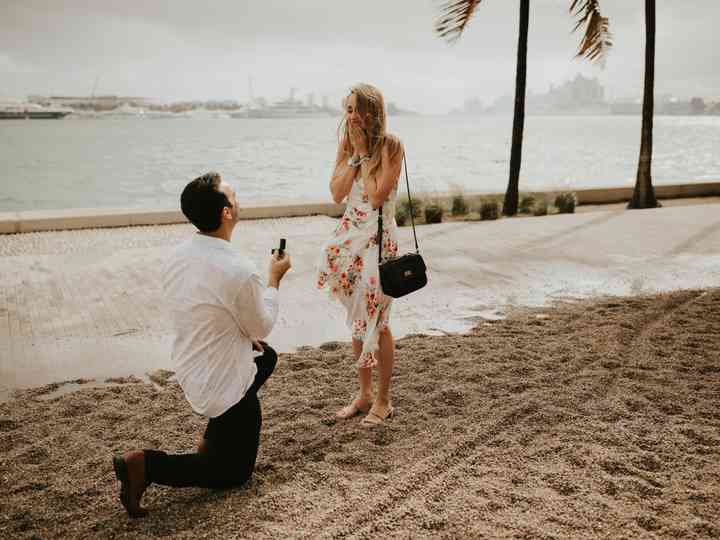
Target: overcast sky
(182,49)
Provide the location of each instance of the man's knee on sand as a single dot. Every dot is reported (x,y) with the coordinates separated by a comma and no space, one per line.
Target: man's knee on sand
(231,474)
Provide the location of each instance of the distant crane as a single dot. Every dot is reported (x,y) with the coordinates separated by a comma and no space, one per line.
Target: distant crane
(92,94)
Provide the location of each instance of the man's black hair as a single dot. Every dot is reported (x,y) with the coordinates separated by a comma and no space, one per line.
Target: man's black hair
(202,202)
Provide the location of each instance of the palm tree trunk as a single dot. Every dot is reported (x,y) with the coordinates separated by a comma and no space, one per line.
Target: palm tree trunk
(510,206)
(644,193)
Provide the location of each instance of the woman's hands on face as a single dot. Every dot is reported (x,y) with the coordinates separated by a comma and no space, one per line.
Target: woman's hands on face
(358,137)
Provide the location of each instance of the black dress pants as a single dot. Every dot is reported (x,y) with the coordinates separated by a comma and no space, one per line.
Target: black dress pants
(231,442)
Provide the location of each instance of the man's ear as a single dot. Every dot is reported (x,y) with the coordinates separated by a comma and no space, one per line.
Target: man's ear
(227,213)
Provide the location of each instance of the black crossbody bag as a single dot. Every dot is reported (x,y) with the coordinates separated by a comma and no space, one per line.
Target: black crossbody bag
(401,275)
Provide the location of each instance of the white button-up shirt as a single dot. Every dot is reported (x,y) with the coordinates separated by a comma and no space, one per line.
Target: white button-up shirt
(218,305)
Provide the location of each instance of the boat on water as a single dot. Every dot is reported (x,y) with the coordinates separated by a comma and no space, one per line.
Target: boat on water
(286,108)
(125,110)
(31,111)
(283,109)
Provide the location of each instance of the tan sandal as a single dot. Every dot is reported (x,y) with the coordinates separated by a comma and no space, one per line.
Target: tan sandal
(351,410)
(373,419)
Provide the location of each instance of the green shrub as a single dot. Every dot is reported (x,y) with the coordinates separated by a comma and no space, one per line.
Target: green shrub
(526,204)
(401,215)
(434,213)
(566,202)
(540,208)
(416,206)
(489,210)
(459,205)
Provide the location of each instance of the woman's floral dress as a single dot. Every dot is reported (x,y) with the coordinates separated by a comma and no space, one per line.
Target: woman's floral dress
(348,267)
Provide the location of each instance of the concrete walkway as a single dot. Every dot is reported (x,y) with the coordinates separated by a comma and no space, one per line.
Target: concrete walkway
(88,304)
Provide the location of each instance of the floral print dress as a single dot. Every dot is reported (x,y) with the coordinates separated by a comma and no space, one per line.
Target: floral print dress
(348,267)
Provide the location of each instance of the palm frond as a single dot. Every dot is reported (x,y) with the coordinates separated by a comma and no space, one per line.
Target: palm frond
(597,40)
(454,17)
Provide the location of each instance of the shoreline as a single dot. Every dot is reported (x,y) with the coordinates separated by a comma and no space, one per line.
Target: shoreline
(91,218)
(88,304)
(158,376)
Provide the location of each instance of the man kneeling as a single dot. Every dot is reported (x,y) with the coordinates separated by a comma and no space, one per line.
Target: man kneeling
(220,310)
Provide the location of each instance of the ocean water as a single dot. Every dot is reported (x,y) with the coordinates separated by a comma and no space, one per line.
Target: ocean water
(144,163)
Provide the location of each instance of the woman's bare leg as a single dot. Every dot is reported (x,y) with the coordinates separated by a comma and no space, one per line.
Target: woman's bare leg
(386,360)
(365,395)
(364,376)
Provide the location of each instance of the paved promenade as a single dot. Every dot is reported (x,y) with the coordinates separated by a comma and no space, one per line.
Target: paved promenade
(88,304)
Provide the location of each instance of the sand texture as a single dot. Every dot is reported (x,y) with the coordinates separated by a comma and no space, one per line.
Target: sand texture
(591,419)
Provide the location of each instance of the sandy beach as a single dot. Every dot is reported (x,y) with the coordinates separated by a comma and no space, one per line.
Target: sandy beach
(587,419)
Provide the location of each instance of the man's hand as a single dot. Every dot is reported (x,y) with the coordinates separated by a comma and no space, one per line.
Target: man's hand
(257,346)
(278,267)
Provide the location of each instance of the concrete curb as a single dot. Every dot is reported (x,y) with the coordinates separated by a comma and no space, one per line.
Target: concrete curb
(595,195)
(89,218)
(673,191)
(93,218)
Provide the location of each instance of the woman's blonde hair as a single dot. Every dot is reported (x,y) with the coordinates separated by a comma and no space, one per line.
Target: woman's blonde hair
(370,105)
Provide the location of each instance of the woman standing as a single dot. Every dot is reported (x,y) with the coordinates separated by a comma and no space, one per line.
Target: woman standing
(367,168)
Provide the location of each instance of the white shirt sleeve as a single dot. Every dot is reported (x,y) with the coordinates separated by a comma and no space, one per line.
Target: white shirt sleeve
(256,308)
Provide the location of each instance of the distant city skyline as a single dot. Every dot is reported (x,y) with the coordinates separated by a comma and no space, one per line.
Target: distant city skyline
(580,92)
(586,95)
(182,50)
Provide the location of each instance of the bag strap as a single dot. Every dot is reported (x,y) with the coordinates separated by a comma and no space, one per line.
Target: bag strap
(412,216)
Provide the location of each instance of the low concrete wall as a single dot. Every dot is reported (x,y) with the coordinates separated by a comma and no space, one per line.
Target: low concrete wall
(89,218)
(92,218)
(674,191)
(293,210)
(9,222)
(83,218)
(596,195)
